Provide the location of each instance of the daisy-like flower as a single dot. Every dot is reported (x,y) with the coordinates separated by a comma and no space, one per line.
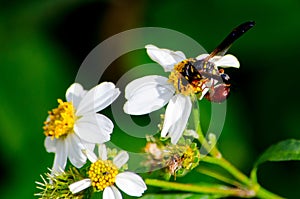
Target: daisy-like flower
(75,125)
(152,92)
(104,174)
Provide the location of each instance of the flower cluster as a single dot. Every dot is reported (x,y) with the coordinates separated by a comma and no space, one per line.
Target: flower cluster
(75,127)
(72,131)
(104,173)
(79,135)
(150,93)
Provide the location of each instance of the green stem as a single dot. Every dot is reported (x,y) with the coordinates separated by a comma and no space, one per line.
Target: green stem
(229,167)
(219,177)
(253,174)
(211,150)
(252,186)
(263,193)
(223,190)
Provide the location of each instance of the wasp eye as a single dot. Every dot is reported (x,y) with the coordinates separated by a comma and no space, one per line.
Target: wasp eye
(225,77)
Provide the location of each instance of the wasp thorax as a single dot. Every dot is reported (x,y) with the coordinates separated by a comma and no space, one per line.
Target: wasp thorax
(186,78)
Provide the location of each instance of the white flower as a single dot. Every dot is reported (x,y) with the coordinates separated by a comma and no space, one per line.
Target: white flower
(105,179)
(75,125)
(151,93)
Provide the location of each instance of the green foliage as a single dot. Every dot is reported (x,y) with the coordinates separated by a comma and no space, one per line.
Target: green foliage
(283,151)
(35,71)
(57,185)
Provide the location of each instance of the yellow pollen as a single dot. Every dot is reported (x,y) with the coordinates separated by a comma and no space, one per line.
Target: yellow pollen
(190,157)
(103,174)
(184,88)
(61,120)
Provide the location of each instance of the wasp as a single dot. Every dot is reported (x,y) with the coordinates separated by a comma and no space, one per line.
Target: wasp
(204,76)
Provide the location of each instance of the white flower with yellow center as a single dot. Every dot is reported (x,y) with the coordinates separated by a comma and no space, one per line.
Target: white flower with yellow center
(75,125)
(150,93)
(104,175)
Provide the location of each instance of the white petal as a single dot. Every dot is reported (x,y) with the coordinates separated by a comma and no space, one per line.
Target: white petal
(227,61)
(166,58)
(222,61)
(102,152)
(94,128)
(80,185)
(90,155)
(177,129)
(98,98)
(176,117)
(88,145)
(202,56)
(205,90)
(147,94)
(50,144)
(75,94)
(131,183)
(60,159)
(121,159)
(75,147)
(171,114)
(111,192)
(140,83)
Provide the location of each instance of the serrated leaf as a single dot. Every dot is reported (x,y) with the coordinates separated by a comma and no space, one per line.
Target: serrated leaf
(283,151)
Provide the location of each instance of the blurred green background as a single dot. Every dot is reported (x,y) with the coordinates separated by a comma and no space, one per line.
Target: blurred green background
(43,43)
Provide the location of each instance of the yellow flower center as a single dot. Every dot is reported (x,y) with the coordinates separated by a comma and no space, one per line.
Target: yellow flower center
(103,174)
(61,120)
(191,158)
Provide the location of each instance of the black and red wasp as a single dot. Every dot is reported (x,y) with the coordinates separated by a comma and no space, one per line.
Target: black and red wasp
(203,74)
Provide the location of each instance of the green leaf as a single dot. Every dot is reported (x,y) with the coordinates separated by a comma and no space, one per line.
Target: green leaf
(179,196)
(283,151)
